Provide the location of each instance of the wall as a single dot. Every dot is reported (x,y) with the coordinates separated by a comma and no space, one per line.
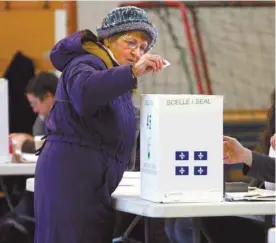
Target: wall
(91,13)
(33,29)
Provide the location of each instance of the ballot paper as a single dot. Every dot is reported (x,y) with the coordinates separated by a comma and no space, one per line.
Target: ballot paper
(28,158)
(254,195)
(167,63)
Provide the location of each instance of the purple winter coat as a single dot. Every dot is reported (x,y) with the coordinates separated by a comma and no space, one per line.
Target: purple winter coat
(91,133)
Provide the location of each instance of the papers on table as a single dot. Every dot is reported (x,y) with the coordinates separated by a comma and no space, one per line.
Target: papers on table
(255,195)
(28,158)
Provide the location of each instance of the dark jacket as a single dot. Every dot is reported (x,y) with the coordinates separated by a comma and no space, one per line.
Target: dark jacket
(91,130)
(263,167)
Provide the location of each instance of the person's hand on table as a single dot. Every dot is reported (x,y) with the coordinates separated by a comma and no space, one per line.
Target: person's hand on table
(18,139)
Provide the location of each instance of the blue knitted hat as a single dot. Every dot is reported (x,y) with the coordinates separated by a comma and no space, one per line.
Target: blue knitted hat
(127,19)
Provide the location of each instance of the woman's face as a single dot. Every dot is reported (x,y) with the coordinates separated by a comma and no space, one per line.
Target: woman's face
(128,48)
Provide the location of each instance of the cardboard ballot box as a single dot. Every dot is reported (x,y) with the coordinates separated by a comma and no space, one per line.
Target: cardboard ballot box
(181,148)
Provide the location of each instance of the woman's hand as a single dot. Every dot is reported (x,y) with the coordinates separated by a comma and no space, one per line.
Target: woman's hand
(148,63)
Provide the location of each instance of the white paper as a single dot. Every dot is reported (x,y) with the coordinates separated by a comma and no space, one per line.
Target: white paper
(132,174)
(29,158)
(167,63)
(129,182)
(255,195)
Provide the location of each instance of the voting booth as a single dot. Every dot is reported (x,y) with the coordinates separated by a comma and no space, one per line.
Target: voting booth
(4,122)
(181,148)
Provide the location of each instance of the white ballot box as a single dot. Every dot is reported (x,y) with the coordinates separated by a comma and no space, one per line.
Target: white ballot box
(4,122)
(181,148)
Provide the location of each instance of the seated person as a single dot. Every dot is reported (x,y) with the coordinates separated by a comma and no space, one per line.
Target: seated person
(231,229)
(256,165)
(40,93)
(242,229)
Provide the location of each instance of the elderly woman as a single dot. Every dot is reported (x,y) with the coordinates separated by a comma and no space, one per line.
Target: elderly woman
(91,127)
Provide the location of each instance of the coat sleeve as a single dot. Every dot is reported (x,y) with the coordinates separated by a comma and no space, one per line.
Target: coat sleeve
(89,89)
(263,167)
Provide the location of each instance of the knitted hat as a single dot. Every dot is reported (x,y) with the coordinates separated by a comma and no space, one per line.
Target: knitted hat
(127,19)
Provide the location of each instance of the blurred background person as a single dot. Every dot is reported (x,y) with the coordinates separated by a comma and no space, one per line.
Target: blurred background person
(40,93)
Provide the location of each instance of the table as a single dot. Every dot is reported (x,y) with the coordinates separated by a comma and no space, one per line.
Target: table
(10,169)
(126,199)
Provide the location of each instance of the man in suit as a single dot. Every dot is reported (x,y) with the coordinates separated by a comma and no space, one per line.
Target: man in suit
(259,166)
(40,93)
(242,229)
(232,229)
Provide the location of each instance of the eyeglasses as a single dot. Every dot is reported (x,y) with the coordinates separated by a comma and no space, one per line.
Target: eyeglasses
(132,44)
